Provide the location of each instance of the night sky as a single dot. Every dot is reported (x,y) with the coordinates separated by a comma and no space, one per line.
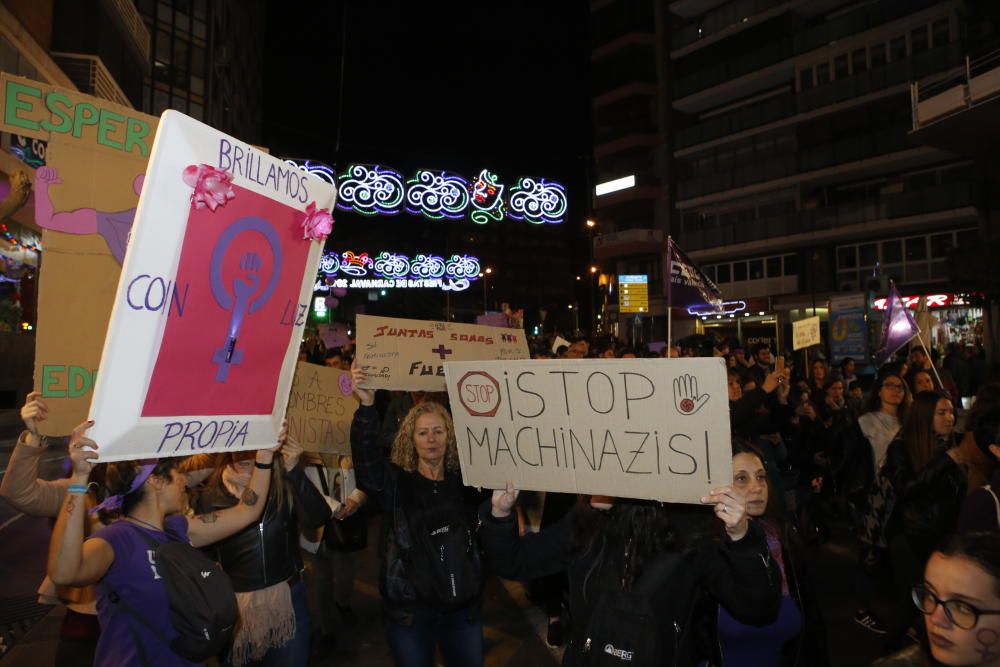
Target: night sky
(456,86)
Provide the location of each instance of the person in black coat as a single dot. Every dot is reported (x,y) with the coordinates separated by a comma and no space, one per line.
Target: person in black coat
(797,637)
(430,576)
(607,552)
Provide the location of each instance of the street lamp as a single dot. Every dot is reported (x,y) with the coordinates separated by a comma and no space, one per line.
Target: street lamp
(485,276)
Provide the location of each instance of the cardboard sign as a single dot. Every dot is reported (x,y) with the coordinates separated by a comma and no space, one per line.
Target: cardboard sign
(649,428)
(334,334)
(805,333)
(320,409)
(212,301)
(85,199)
(410,354)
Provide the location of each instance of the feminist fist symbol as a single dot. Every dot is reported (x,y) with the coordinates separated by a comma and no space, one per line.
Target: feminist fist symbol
(686,398)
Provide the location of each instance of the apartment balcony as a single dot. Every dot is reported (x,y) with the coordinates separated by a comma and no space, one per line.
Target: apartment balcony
(930,206)
(724,21)
(960,113)
(621,19)
(772,64)
(90,76)
(628,243)
(883,81)
(806,165)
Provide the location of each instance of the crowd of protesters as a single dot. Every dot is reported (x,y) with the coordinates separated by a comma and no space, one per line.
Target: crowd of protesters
(904,455)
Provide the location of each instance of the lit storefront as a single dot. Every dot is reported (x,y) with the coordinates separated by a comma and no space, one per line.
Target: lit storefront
(951,318)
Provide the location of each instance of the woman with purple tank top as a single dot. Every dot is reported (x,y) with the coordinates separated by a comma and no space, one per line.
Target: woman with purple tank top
(150,499)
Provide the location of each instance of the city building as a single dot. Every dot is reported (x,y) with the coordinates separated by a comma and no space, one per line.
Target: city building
(206,62)
(785,165)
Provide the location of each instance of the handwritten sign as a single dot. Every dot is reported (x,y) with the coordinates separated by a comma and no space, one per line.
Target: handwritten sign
(655,429)
(320,409)
(212,300)
(410,354)
(85,195)
(805,333)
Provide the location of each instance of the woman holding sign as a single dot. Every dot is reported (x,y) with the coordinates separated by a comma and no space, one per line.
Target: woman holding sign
(430,576)
(635,572)
(121,559)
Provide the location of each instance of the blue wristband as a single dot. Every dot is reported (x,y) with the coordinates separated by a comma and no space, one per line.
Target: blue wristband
(78,488)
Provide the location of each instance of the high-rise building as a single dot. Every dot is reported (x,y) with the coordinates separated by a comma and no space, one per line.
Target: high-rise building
(785,163)
(206,62)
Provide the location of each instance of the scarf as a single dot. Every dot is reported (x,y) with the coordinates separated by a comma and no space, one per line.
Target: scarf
(267,617)
(880,429)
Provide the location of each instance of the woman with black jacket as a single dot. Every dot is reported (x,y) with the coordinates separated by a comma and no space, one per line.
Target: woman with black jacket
(797,636)
(646,550)
(430,576)
(263,560)
(928,486)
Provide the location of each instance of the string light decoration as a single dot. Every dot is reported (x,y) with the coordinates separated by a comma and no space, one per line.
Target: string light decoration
(17,243)
(370,190)
(390,269)
(537,201)
(487,199)
(318,169)
(437,195)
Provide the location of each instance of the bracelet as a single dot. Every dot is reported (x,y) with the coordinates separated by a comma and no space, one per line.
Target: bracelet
(78,488)
(263,466)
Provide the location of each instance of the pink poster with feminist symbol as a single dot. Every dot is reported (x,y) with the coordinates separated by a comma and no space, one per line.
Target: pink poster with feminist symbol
(223,346)
(211,305)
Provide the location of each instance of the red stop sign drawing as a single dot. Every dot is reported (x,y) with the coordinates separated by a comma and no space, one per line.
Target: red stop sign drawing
(479,394)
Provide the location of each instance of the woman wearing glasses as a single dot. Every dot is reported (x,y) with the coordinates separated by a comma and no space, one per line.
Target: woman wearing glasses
(960,600)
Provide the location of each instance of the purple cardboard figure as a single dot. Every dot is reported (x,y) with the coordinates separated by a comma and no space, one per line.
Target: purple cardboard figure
(114,227)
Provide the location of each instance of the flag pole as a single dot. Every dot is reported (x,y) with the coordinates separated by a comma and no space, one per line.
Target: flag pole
(933,367)
(670,289)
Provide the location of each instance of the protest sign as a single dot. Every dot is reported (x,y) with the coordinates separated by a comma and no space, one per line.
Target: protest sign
(334,334)
(410,354)
(320,409)
(212,300)
(805,333)
(650,428)
(85,199)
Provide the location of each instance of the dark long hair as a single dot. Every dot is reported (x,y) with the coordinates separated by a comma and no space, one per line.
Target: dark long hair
(772,511)
(118,478)
(638,529)
(983,549)
(917,432)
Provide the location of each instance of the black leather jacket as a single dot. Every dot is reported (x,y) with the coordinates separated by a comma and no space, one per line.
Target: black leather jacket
(266,552)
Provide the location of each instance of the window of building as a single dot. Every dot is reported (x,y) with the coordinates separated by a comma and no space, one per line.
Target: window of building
(940,245)
(806,79)
(840,66)
(916,248)
(822,74)
(756,269)
(892,252)
(867,254)
(722,272)
(897,49)
(859,61)
(940,32)
(773,267)
(878,55)
(739,271)
(710,272)
(163,13)
(847,257)
(791,265)
(919,40)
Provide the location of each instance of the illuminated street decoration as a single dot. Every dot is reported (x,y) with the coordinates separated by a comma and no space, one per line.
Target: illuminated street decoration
(370,190)
(437,195)
(317,169)
(487,199)
(537,201)
(933,301)
(728,308)
(394,270)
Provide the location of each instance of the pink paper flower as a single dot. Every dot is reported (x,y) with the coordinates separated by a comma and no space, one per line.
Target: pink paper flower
(317,224)
(212,187)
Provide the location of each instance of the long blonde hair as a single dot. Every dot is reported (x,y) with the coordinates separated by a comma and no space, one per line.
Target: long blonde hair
(404,452)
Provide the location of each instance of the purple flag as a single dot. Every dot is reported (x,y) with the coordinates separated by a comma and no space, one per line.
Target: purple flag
(898,326)
(688,286)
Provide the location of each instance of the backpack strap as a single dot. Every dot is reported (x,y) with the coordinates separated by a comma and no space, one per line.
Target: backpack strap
(119,604)
(996,501)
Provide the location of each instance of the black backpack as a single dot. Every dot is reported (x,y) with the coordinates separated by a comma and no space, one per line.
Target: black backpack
(440,551)
(203,609)
(625,629)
